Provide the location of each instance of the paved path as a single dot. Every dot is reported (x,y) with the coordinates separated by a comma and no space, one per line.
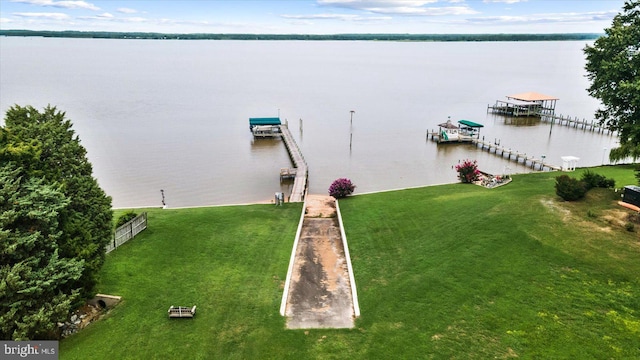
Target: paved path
(320,292)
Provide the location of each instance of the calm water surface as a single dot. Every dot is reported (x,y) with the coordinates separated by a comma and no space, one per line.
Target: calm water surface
(173,115)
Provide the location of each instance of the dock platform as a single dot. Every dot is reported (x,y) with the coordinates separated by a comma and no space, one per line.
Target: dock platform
(299,163)
(515,155)
(576,123)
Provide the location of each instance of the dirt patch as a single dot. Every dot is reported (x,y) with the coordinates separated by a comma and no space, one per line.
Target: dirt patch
(602,221)
(552,205)
(320,206)
(620,217)
(320,292)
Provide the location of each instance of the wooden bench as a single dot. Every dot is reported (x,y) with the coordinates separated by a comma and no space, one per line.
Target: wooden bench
(182,311)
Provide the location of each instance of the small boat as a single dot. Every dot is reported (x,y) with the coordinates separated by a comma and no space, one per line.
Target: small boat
(266,131)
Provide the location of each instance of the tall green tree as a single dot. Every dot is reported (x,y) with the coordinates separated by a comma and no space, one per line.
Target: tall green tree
(613,67)
(34,279)
(59,158)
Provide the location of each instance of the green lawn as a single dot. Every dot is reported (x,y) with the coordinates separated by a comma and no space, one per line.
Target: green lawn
(452,271)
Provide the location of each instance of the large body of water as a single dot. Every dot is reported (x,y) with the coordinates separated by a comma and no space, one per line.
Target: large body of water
(173,115)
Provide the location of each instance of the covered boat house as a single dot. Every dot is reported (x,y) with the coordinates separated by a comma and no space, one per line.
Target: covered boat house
(525,104)
(266,121)
(465,131)
(470,128)
(265,127)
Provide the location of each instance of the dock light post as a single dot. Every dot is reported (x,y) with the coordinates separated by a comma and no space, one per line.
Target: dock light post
(351,129)
(604,151)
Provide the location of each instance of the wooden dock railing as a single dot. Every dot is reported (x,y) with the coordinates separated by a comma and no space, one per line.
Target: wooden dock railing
(574,123)
(515,155)
(302,172)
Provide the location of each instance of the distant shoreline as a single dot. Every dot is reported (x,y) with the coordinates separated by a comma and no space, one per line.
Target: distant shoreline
(310,37)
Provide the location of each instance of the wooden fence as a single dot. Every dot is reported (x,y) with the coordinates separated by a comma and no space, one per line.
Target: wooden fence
(127,231)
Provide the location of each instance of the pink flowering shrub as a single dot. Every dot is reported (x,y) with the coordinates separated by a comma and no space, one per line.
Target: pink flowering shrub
(341,187)
(468,171)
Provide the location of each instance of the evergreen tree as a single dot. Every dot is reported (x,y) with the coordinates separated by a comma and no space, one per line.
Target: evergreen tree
(613,67)
(33,277)
(59,158)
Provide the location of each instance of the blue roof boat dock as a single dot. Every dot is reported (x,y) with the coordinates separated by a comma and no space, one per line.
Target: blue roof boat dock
(273,127)
(265,127)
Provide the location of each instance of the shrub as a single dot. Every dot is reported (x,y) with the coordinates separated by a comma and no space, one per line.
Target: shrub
(468,171)
(570,189)
(593,180)
(125,218)
(629,226)
(341,187)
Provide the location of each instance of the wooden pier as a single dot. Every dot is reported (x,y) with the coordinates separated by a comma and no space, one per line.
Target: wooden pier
(514,155)
(501,151)
(574,123)
(299,163)
(553,119)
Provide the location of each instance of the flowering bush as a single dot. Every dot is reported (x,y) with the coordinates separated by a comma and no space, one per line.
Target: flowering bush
(341,187)
(468,171)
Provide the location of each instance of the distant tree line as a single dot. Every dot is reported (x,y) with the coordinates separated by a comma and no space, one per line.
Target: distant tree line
(365,37)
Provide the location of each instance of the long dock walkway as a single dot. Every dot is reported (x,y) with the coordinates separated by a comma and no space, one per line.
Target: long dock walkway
(299,163)
(498,150)
(574,123)
(552,118)
(514,155)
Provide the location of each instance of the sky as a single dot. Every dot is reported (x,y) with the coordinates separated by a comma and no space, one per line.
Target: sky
(312,16)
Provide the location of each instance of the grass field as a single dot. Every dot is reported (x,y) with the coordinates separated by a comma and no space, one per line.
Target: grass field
(452,271)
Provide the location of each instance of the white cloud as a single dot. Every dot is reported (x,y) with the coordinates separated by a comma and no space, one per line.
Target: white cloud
(342,17)
(60,4)
(546,18)
(51,16)
(126,10)
(401,7)
(504,1)
(425,11)
(359,4)
(135,19)
(111,18)
(5,20)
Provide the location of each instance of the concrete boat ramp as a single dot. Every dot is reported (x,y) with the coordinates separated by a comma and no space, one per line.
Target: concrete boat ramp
(320,288)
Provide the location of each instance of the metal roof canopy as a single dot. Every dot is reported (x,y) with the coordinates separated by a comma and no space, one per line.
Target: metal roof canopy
(470,124)
(519,102)
(532,96)
(448,125)
(264,121)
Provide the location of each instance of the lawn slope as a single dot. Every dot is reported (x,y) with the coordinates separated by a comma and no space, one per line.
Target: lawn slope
(452,271)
